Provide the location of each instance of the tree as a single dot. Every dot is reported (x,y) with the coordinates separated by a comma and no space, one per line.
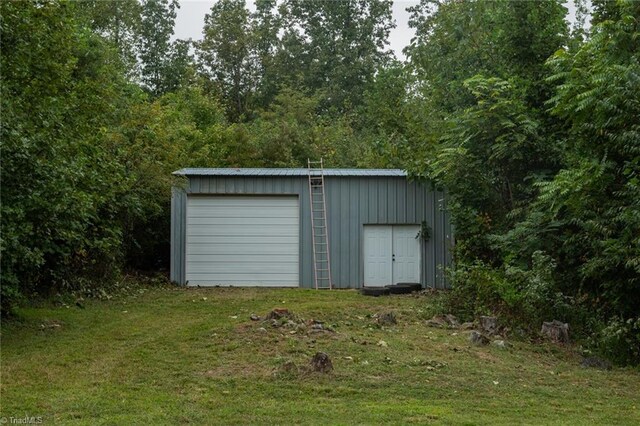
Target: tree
(479,72)
(180,68)
(588,216)
(61,188)
(227,56)
(456,40)
(156,28)
(266,24)
(119,23)
(334,47)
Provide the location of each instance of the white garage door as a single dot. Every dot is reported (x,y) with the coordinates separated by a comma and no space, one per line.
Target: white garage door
(242,241)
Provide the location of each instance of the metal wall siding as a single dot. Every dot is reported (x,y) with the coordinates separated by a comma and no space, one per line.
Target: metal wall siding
(352,201)
(178,234)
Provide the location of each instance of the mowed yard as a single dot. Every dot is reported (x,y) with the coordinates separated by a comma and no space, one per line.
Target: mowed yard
(172,356)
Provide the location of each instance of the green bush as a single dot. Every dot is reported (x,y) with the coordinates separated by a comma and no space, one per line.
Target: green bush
(523,297)
(619,341)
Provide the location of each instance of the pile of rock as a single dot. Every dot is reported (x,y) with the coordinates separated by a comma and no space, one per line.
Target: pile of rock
(482,332)
(283,318)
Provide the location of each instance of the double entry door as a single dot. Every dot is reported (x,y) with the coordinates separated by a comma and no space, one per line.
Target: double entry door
(391,254)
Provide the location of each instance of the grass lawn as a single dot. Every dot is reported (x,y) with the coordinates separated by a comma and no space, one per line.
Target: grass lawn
(172,356)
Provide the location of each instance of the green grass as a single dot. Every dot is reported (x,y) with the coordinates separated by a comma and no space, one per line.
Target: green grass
(171,356)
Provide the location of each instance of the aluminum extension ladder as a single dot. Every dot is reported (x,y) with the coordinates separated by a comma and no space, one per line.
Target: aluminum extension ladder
(319,228)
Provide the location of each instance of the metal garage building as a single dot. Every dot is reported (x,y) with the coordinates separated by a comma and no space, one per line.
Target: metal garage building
(266,227)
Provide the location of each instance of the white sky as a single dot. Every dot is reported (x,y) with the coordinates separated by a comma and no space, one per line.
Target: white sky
(190,21)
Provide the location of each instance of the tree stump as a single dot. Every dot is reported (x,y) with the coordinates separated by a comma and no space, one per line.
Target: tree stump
(489,324)
(388,318)
(556,331)
(321,363)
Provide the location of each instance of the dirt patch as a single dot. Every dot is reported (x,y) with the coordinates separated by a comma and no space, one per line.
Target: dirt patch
(486,356)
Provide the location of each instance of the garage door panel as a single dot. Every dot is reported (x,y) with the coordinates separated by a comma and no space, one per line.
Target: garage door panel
(237,220)
(243,201)
(243,241)
(246,240)
(255,258)
(230,280)
(242,212)
(220,230)
(277,251)
(247,269)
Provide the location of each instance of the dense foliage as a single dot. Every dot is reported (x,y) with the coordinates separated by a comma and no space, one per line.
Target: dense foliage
(531,126)
(534,133)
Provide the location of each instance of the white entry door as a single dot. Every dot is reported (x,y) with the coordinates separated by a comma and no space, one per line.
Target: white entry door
(391,254)
(406,254)
(377,255)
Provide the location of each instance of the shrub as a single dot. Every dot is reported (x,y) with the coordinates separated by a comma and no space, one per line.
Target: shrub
(619,341)
(521,296)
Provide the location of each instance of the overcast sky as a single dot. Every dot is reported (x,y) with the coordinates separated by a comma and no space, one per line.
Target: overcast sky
(190,21)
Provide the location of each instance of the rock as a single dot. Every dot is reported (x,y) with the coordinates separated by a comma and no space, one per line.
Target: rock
(321,363)
(556,331)
(501,344)
(262,330)
(387,318)
(434,323)
(254,317)
(443,321)
(467,326)
(595,362)
(478,339)
(489,324)
(317,327)
(382,344)
(53,324)
(452,320)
